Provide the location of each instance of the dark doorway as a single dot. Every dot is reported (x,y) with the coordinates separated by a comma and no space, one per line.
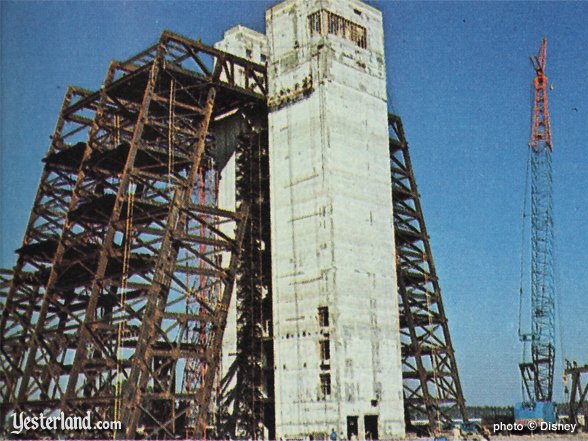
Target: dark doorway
(371,426)
(352,428)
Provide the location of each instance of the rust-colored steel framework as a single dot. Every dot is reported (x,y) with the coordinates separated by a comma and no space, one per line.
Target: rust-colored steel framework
(100,314)
(23,294)
(576,391)
(119,298)
(432,389)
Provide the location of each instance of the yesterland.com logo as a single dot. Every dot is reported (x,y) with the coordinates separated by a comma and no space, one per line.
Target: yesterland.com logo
(23,422)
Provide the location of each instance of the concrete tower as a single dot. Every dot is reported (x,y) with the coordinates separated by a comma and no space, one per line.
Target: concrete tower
(336,329)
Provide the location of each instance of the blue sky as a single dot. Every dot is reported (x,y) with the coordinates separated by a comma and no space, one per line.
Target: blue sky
(458,74)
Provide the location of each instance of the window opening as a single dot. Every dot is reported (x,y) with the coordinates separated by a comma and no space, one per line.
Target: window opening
(323,22)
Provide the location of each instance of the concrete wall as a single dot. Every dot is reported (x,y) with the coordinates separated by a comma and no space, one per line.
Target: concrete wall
(332,231)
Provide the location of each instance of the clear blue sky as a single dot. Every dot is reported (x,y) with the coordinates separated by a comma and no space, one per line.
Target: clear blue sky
(458,74)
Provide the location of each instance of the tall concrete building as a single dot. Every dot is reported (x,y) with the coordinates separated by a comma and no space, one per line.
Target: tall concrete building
(337,359)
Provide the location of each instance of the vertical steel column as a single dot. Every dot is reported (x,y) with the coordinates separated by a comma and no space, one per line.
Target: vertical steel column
(156,294)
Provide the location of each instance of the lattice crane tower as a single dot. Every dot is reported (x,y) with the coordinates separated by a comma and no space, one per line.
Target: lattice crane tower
(537,374)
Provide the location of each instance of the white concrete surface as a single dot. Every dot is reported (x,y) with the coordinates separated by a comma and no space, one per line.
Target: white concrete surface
(332,224)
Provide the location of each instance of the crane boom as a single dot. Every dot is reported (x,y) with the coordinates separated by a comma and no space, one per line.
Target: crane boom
(537,373)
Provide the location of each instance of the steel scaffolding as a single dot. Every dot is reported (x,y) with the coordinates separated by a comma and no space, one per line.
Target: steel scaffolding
(577,391)
(432,389)
(100,316)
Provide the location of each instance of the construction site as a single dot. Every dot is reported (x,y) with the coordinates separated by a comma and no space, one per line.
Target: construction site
(228,242)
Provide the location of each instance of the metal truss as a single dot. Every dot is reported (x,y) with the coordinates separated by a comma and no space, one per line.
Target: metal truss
(106,297)
(577,391)
(23,290)
(537,373)
(432,389)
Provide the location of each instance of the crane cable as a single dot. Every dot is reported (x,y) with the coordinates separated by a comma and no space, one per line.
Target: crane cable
(122,302)
(523,243)
(116,130)
(260,237)
(558,319)
(171,132)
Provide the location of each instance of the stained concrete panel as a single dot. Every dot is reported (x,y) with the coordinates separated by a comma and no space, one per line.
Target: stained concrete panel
(332,231)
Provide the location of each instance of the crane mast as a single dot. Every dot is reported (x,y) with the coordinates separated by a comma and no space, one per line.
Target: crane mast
(537,373)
